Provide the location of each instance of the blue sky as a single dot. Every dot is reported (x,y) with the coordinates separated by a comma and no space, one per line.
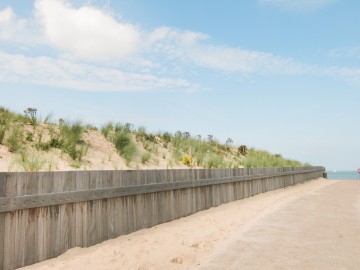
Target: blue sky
(278,75)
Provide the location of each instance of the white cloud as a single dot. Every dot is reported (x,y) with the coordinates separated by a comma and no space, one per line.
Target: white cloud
(297,5)
(192,48)
(172,34)
(349,74)
(244,61)
(86,33)
(353,52)
(17,30)
(64,74)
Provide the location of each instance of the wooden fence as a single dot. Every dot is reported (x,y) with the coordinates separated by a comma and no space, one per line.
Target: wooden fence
(44,214)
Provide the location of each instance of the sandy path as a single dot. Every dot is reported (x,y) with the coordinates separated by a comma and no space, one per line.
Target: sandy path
(320,230)
(235,234)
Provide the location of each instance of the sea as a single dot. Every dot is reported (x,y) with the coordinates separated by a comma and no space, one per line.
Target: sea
(343,175)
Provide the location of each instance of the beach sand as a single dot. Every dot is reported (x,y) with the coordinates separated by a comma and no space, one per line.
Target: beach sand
(308,226)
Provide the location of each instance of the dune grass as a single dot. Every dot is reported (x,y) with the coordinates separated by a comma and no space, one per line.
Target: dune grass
(121,136)
(260,158)
(19,132)
(31,160)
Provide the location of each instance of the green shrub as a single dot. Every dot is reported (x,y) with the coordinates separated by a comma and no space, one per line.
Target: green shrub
(14,141)
(2,133)
(30,113)
(200,159)
(145,157)
(91,127)
(28,161)
(69,140)
(215,161)
(140,134)
(166,137)
(29,136)
(125,147)
(259,158)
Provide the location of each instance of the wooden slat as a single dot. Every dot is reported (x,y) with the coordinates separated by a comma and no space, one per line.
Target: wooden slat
(9,241)
(10,185)
(40,236)
(2,236)
(2,184)
(70,210)
(30,239)
(20,222)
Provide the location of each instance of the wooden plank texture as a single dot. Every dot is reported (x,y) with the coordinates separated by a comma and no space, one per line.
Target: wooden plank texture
(44,214)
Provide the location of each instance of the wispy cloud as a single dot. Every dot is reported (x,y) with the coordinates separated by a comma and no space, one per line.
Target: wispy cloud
(297,5)
(194,49)
(353,52)
(64,74)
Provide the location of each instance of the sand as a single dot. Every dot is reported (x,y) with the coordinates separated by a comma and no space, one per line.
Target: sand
(101,155)
(308,226)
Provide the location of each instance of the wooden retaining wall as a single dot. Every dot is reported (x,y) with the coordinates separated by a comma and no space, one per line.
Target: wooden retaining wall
(44,214)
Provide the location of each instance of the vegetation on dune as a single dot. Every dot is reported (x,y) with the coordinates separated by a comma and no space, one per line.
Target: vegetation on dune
(28,137)
(260,158)
(19,132)
(120,136)
(31,160)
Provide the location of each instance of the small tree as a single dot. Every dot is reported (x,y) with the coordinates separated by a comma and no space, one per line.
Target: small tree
(229,142)
(128,127)
(31,114)
(166,137)
(178,134)
(242,150)
(186,135)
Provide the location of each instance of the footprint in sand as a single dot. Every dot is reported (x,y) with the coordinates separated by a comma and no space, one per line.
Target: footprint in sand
(177,260)
(199,245)
(195,245)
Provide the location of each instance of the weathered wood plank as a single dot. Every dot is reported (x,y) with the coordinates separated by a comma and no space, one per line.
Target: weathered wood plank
(2,184)
(10,185)
(9,241)
(20,222)
(30,251)
(40,236)
(2,236)
(78,224)
(70,210)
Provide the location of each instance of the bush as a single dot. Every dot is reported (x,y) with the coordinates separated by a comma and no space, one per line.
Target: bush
(166,137)
(242,150)
(30,113)
(215,161)
(107,129)
(2,134)
(145,157)
(29,136)
(125,147)
(28,161)
(69,138)
(187,160)
(14,141)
